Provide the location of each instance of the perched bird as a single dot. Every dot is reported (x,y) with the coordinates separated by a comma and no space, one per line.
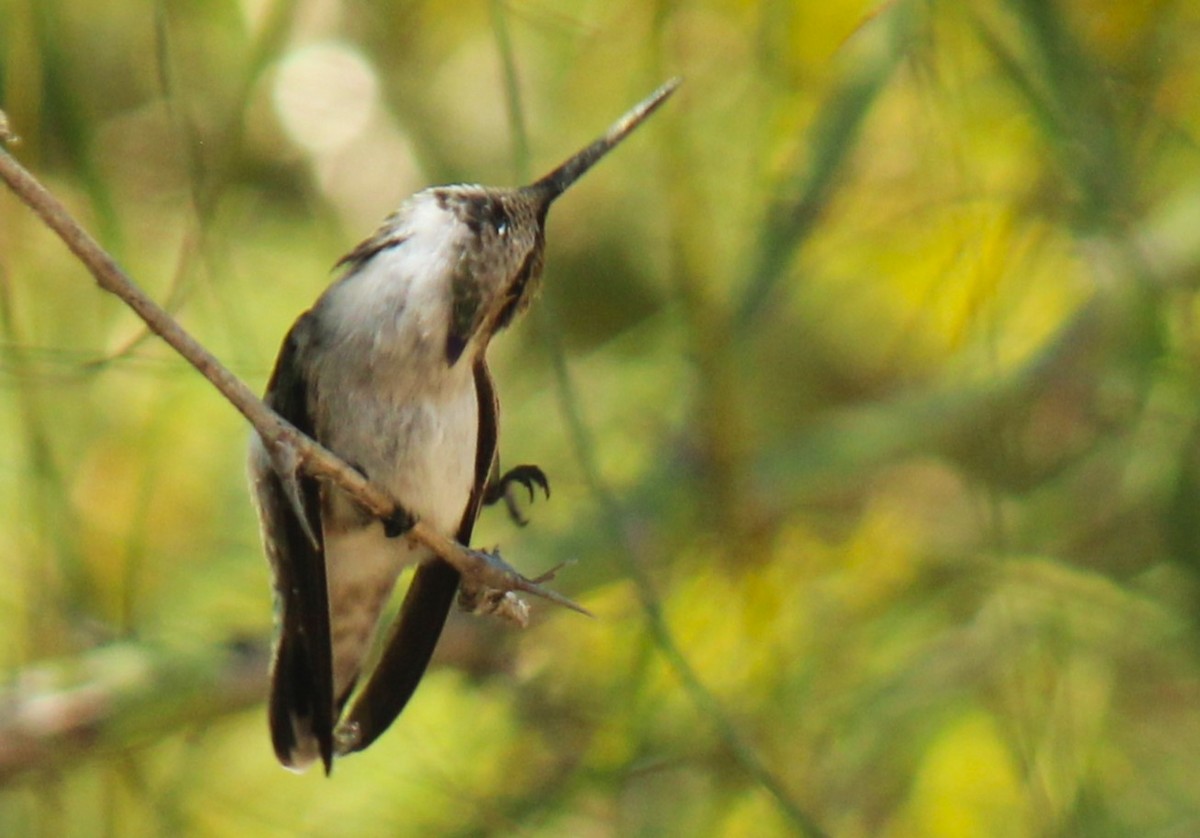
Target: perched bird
(388,371)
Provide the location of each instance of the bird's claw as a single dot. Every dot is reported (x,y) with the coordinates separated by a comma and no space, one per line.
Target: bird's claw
(399,522)
(528,476)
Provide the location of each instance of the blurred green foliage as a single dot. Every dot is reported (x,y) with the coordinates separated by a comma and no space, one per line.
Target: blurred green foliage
(866,375)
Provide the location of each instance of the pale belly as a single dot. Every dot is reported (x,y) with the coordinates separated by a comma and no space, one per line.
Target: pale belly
(423,452)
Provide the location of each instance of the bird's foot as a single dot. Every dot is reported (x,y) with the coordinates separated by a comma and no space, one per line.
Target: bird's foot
(501,489)
(399,522)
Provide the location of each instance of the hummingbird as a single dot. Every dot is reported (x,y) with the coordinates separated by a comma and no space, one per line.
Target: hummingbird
(388,370)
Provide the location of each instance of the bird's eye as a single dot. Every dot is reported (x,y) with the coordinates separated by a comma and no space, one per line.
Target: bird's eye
(497,217)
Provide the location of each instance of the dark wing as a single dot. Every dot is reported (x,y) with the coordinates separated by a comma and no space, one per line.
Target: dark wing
(430,595)
(301,704)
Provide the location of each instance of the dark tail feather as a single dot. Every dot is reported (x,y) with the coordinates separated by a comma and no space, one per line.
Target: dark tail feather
(301,710)
(301,727)
(405,657)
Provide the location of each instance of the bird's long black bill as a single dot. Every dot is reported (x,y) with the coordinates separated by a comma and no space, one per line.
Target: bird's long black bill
(555,183)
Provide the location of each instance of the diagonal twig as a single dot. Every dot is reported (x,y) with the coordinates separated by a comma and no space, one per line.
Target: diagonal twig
(483,573)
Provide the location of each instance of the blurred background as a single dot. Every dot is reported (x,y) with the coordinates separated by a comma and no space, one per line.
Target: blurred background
(865,374)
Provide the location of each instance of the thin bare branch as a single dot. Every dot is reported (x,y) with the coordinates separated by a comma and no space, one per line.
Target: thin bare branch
(483,573)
